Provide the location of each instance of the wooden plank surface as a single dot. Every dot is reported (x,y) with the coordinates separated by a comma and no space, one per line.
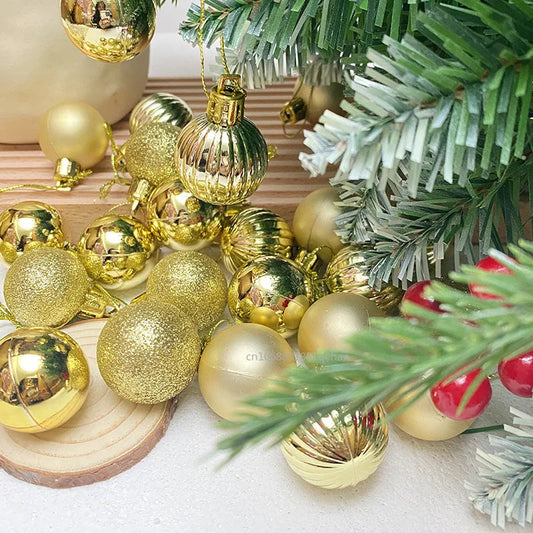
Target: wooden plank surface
(285,184)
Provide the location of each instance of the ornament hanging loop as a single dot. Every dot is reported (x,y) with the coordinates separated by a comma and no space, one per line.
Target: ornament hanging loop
(6,314)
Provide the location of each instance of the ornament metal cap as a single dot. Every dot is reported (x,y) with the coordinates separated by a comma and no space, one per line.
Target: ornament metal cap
(293,111)
(226,101)
(138,193)
(66,173)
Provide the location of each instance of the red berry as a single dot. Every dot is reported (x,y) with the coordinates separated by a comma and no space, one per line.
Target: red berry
(517,374)
(490,265)
(416,294)
(447,396)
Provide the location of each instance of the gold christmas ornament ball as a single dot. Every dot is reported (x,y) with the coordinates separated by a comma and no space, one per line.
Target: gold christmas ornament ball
(46,287)
(221,156)
(339,449)
(192,282)
(118,251)
(314,225)
(160,107)
(252,233)
(332,319)
(44,379)
(73,130)
(345,273)
(181,221)
(28,225)
(319,98)
(112,31)
(148,352)
(238,363)
(271,291)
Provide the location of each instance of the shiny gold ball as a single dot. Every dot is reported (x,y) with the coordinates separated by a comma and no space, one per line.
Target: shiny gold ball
(252,233)
(345,273)
(338,450)
(44,379)
(148,352)
(181,221)
(319,98)
(45,287)
(331,320)
(238,363)
(111,31)
(313,223)
(118,251)
(28,225)
(194,283)
(271,291)
(160,107)
(74,130)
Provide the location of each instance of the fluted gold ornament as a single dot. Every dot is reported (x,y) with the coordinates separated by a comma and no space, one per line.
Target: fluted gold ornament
(148,352)
(160,107)
(338,450)
(46,287)
(194,283)
(28,225)
(344,273)
(271,291)
(238,363)
(252,233)
(181,221)
(44,379)
(331,320)
(221,156)
(110,31)
(118,251)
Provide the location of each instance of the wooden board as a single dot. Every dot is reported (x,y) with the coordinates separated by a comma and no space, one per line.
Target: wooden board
(108,435)
(285,184)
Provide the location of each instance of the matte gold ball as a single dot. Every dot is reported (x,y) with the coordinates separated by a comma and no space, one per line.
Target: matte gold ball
(332,319)
(194,283)
(46,287)
(181,221)
(319,98)
(44,379)
(74,130)
(314,225)
(28,225)
(238,363)
(118,251)
(148,352)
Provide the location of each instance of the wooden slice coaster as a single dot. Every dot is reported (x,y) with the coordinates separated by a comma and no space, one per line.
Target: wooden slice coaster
(108,435)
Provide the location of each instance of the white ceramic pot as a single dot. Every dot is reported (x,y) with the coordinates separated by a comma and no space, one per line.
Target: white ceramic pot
(40,67)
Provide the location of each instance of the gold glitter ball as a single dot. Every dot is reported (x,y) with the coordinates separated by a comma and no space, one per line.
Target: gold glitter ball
(148,352)
(46,287)
(192,282)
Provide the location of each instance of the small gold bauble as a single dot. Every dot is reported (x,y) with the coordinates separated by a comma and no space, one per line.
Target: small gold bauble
(319,98)
(181,221)
(344,273)
(331,320)
(237,363)
(111,31)
(46,287)
(160,107)
(28,225)
(314,225)
(336,450)
(118,251)
(252,233)
(73,130)
(192,282)
(44,379)
(148,352)
(272,291)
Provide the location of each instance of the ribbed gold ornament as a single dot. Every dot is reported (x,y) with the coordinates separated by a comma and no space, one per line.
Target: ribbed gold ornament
(344,273)
(181,221)
(252,233)
(148,352)
(160,107)
(336,450)
(221,156)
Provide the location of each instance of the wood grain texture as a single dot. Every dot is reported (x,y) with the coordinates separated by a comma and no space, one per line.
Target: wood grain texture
(108,435)
(285,184)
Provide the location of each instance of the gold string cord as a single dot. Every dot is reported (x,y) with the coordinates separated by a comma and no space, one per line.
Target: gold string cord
(118,163)
(6,314)
(66,184)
